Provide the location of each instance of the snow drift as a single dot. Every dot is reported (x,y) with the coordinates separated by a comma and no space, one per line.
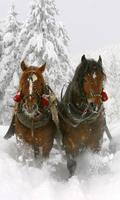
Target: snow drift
(97,176)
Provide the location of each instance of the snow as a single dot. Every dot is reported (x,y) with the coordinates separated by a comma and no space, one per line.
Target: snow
(8,38)
(97,176)
(39,42)
(50,51)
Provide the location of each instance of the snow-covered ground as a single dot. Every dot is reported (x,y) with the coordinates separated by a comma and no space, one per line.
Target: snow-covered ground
(97,176)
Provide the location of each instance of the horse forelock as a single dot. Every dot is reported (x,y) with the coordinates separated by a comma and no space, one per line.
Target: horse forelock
(93,66)
(90,66)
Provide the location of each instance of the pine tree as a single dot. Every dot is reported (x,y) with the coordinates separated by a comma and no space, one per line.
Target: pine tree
(8,65)
(43,39)
(114,84)
(1,44)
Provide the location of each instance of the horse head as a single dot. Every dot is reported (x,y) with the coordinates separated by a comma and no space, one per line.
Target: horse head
(91,78)
(31,88)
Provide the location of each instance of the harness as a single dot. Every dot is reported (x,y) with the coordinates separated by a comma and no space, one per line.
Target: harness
(76,114)
(40,119)
(73,116)
(36,122)
(49,112)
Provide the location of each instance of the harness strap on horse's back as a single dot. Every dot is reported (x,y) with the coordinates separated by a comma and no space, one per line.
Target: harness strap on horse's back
(54,111)
(108,132)
(11,130)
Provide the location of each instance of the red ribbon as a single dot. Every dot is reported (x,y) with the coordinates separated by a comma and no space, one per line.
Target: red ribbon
(17,97)
(45,102)
(104,96)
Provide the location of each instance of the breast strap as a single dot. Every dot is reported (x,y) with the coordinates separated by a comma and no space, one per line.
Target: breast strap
(36,122)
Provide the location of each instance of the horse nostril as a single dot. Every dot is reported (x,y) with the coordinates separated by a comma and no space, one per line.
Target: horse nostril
(93,106)
(35,107)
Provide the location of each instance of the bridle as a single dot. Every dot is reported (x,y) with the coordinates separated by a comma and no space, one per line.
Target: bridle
(40,107)
(42,115)
(91,95)
(33,93)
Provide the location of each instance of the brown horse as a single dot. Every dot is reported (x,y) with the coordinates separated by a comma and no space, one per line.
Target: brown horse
(33,119)
(81,111)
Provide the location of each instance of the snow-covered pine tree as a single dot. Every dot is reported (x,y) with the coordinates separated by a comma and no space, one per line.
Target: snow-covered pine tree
(8,65)
(1,44)
(113,83)
(44,39)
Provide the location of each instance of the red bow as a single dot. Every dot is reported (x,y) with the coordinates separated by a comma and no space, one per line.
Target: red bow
(44,101)
(17,97)
(104,96)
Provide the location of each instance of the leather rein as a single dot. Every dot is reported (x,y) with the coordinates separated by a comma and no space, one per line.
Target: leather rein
(75,115)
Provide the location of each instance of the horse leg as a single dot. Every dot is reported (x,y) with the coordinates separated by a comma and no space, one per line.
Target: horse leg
(71,164)
(40,152)
(36,150)
(46,150)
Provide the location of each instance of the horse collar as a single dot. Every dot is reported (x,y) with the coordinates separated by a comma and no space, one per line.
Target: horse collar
(74,116)
(38,122)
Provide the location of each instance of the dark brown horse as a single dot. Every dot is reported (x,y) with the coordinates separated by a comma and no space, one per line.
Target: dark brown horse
(33,119)
(81,111)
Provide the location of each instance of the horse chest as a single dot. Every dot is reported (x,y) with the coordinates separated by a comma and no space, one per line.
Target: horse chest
(39,135)
(85,135)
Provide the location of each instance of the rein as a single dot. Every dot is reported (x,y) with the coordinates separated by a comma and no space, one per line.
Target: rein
(74,115)
(71,115)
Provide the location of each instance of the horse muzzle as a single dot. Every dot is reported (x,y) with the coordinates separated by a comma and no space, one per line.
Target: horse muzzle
(30,110)
(95,103)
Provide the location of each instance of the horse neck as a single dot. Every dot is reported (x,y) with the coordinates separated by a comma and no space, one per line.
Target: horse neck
(73,95)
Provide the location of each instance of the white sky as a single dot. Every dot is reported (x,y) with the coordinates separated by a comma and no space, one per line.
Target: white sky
(91,24)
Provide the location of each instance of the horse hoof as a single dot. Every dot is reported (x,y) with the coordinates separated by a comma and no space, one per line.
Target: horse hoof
(71,165)
(112,147)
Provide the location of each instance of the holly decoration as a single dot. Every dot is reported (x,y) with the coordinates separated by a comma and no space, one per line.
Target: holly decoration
(104,96)
(45,101)
(17,97)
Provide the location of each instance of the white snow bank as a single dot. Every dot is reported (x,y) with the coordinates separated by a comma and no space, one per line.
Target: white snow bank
(97,178)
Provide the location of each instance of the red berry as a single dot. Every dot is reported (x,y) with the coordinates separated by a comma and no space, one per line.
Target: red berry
(44,102)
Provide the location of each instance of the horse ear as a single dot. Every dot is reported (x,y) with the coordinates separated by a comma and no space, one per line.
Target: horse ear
(100,60)
(23,66)
(42,68)
(83,58)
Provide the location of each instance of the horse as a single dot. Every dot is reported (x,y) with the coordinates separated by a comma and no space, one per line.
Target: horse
(32,122)
(81,111)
